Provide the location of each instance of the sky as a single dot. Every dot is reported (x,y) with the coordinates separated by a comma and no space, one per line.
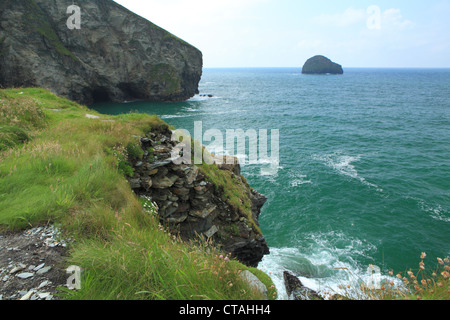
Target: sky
(285,33)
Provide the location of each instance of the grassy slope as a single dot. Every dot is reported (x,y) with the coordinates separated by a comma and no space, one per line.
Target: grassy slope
(57,166)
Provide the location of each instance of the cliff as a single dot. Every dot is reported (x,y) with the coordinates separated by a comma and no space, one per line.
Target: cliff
(321,65)
(214,201)
(115,56)
(65,171)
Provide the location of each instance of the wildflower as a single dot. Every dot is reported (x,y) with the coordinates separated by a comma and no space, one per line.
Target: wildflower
(445,274)
(399,276)
(423,255)
(440,261)
(446,260)
(434,274)
(424,282)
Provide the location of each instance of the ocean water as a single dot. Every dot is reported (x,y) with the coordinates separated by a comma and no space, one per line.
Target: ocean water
(364,164)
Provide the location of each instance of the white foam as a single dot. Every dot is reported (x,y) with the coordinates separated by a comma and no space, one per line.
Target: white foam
(343,164)
(328,258)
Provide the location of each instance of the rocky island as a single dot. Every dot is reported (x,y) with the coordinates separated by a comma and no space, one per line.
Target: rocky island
(321,65)
(115,56)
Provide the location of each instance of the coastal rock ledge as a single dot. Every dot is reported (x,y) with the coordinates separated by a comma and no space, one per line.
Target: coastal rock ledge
(321,65)
(115,56)
(213,201)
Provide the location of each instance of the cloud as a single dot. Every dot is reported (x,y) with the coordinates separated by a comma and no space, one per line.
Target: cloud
(392,18)
(389,19)
(349,17)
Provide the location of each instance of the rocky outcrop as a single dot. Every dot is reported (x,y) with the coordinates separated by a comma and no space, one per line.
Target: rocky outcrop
(321,65)
(296,290)
(192,201)
(115,56)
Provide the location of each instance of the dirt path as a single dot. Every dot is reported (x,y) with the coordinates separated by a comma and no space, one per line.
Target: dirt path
(31,264)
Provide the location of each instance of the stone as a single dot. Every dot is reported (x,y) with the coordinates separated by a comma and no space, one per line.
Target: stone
(230,163)
(90,116)
(25,275)
(164,182)
(28,295)
(117,55)
(203,213)
(39,267)
(321,65)
(212,231)
(296,290)
(44,270)
(192,175)
(18,268)
(254,282)
(135,183)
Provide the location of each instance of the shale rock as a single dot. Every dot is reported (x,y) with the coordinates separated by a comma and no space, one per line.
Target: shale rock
(296,290)
(191,204)
(116,55)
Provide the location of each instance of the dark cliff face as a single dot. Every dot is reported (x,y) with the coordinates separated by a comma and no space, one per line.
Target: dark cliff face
(115,56)
(191,203)
(321,65)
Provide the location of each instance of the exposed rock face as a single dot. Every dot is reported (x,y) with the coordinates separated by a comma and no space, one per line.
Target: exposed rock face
(321,65)
(191,204)
(296,290)
(115,56)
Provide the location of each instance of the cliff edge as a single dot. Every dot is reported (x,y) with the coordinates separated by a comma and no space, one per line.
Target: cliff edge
(116,55)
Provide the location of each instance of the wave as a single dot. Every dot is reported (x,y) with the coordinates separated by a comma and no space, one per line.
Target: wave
(343,164)
(436,212)
(298,179)
(324,262)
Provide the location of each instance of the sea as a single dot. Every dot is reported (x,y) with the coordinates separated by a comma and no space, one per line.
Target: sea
(361,178)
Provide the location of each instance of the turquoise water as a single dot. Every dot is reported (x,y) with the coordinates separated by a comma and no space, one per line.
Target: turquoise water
(364,170)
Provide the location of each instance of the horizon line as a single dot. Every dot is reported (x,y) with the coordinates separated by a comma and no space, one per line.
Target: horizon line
(296,67)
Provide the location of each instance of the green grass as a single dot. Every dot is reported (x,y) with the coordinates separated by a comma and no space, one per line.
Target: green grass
(61,167)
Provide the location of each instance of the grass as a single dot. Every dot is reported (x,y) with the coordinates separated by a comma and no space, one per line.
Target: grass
(423,283)
(57,166)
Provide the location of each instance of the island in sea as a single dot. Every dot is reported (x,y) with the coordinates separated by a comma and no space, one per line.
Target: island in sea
(321,65)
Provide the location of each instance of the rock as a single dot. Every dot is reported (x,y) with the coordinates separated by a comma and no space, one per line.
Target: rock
(90,116)
(115,56)
(25,275)
(230,163)
(164,182)
(204,213)
(254,282)
(18,268)
(212,231)
(296,290)
(44,270)
(192,202)
(321,65)
(28,295)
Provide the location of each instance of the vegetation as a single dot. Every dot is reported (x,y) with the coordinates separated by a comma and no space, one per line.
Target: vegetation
(425,283)
(58,166)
